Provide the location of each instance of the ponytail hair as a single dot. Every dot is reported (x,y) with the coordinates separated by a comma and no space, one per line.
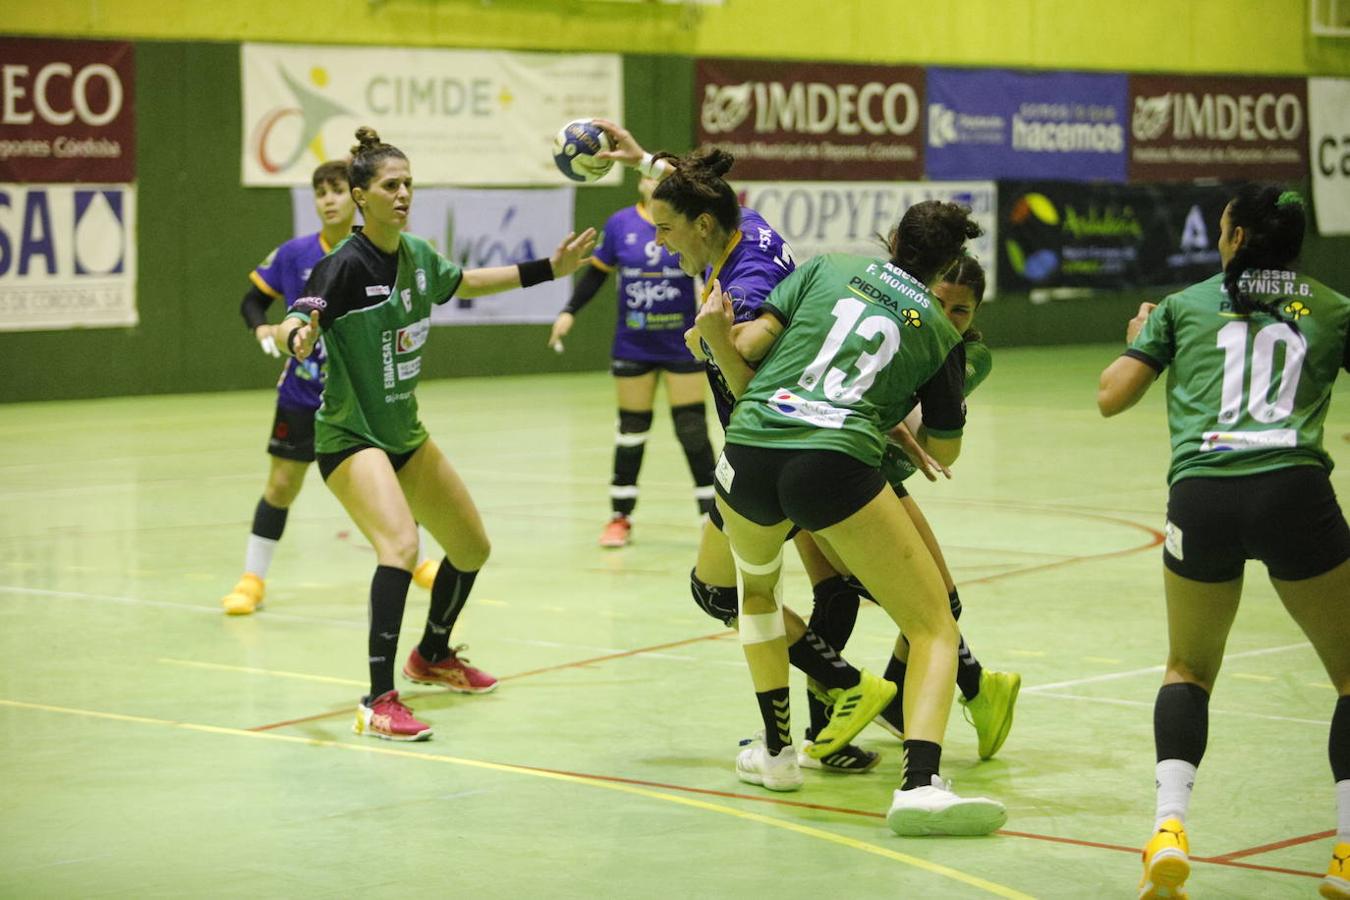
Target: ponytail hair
(1273,221)
(696,186)
(967,272)
(367,154)
(929,237)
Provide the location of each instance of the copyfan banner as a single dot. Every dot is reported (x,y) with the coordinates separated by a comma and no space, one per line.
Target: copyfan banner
(857,217)
(812,120)
(483,227)
(1186,127)
(463,117)
(67,111)
(67,256)
(1060,239)
(1329,147)
(990,123)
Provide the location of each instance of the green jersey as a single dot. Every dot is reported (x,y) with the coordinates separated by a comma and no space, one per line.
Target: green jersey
(895,465)
(861,339)
(375,314)
(1246,394)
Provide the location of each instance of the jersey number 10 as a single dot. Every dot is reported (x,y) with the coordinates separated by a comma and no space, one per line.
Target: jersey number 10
(1233,341)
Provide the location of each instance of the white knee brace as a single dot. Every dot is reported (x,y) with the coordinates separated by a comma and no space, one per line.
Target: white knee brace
(760,628)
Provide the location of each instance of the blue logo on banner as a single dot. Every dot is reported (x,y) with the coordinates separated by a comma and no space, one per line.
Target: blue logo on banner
(1000,124)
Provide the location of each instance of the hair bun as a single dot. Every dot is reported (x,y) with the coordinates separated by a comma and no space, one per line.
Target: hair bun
(712,160)
(366,138)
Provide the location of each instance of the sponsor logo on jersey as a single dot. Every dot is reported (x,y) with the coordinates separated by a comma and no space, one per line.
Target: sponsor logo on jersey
(1296,310)
(378,290)
(817,412)
(387,358)
(420,276)
(409,368)
(413,336)
(406,296)
(1224,441)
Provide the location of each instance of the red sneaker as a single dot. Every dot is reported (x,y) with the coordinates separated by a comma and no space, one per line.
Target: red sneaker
(616,532)
(385,717)
(453,672)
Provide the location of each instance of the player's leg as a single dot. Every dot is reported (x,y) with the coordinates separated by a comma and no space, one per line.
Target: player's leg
(366,485)
(290,448)
(635,388)
(441,502)
(834,611)
(879,542)
(686,391)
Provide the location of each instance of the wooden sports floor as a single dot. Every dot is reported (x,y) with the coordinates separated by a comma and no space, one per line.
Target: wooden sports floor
(152,747)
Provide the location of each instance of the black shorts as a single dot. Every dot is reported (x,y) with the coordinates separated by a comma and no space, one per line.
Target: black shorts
(328,462)
(1288,519)
(631,368)
(292,434)
(715,517)
(813,488)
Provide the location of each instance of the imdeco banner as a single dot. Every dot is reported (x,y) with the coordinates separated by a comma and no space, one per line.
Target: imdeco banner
(463,117)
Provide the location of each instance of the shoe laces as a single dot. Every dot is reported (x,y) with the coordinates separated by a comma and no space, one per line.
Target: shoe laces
(456,655)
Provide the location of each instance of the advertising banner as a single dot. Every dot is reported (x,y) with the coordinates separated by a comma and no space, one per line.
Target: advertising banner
(1329,148)
(809,121)
(857,217)
(477,228)
(67,256)
(67,111)
(463,117)
(990,123)
(1184,128)
(1057,235)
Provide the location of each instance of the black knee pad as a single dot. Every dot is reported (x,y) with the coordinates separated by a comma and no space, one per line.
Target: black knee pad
(853,582)
(955,600)
(691,425)
(631,422)
(722,603)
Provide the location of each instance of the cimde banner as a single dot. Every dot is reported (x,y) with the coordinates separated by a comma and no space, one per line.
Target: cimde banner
(1329,149)
(463,117)
(812,121)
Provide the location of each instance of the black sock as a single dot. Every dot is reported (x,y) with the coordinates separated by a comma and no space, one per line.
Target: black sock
(448,593)
(922,759)
(819,711)
(968,670)
(834,612)
(629,445)
(819,661)
(894,713)
(1181,722)
(1339,745)
(269,521)
(774,708)
(388,594)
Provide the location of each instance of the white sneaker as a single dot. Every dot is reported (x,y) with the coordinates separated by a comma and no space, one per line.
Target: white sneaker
(936,810)
(780,772)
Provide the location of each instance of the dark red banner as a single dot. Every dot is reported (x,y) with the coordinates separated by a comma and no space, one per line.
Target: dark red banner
(67,111)
(813,121)
(1218,127)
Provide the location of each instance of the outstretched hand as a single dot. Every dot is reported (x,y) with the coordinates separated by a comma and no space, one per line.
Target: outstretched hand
(903,438)
(307,335)
(572,252)
(626,148)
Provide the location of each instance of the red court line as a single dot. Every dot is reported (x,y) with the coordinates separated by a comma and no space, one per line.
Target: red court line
(1278,845)
(346,710)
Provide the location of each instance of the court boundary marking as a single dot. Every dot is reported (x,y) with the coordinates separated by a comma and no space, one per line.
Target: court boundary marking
(636,788)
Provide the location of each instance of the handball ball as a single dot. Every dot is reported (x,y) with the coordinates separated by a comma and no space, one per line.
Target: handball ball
(575,147)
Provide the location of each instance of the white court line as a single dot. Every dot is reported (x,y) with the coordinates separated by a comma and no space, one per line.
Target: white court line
(185,607)
(1112,701)
(1116,676)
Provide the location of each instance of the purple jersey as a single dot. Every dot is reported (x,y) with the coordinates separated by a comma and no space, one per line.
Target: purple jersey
(282,276)
(656,299)
(754,265)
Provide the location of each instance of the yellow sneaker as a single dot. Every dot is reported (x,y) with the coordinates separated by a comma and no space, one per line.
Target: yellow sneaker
(853,709)
(1336,886)
(246,596)
(991,710)
(425,573)
(1166,863)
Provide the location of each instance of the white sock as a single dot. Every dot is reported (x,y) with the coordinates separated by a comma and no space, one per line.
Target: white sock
(258,556)
(1343,812)
(1175,778)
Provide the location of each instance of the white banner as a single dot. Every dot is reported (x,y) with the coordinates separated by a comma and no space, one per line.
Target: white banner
(1329,152)
(478,228)
(464,117)
(856,216)
(67,256)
